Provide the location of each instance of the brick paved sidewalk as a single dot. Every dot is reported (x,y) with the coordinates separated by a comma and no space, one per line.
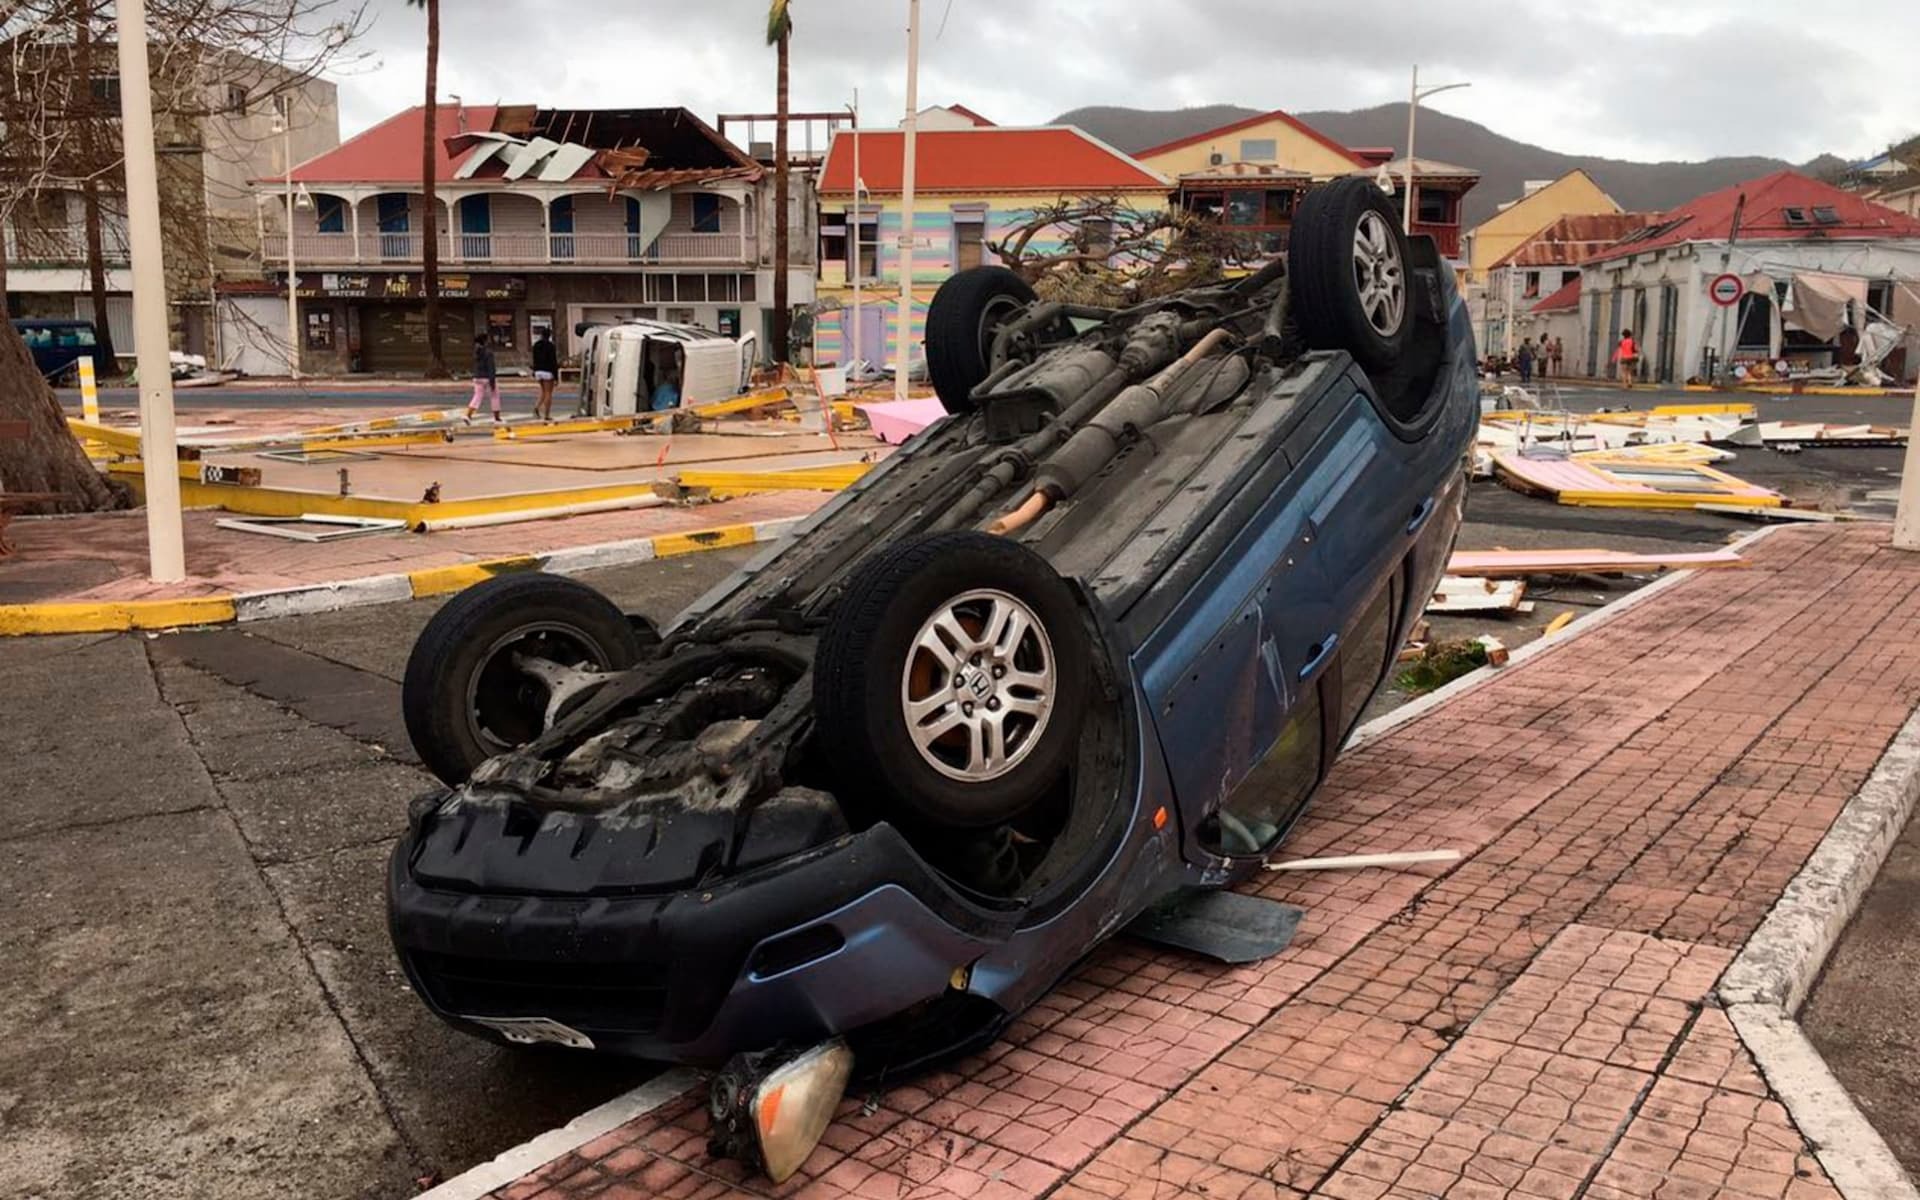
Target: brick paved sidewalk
(1533,1021)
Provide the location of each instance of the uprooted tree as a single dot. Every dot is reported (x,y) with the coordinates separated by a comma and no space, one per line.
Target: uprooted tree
(210,61)
(1101,250)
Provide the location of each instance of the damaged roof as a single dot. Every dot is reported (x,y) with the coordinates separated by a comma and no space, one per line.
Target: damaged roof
(1567,298)
(630,148)
(1825,213)
(987,159)
(1572,240)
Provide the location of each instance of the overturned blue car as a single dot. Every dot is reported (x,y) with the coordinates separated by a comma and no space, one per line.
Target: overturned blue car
(1083,648)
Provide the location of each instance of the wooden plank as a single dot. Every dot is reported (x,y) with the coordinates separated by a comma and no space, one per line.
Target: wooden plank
(1477,594)
(1559,562)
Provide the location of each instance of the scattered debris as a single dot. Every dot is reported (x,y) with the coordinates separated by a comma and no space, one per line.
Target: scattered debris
(1441,663)
(1474,594)
(311,528)
(1626,485)
(1496,650)
(1776,514)
(1349,862)
(1583,562)
(432,494)
(1557,624)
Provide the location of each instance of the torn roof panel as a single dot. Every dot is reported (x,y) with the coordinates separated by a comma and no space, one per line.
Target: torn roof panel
(565,162)
(529,156)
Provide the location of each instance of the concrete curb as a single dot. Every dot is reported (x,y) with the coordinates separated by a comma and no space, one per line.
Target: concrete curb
(1768,982)
(530,1156)
(1386,722)
(114,616)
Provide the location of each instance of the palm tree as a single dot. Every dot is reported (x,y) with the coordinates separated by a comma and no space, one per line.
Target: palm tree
(430,204)
(779,34)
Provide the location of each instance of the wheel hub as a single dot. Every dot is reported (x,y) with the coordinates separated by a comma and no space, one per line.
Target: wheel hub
(978,686)
(1379,274)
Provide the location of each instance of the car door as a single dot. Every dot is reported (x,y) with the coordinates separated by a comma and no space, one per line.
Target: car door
(1237,686)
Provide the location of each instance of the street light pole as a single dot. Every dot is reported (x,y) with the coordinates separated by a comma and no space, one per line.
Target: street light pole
(1415,96)
(904,334)
(293,271)
(159,457)
(1906,517)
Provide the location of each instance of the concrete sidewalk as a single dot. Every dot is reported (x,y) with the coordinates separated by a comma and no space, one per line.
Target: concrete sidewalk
(1536,1020)
(87,573)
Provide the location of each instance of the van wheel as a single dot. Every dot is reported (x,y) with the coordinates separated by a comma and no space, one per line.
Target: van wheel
(1350,272)
(966,313)
(501,657)
(951,680)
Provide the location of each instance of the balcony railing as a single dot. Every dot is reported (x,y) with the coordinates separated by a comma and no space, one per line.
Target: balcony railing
(1445,236)
(33,247)
(513,249)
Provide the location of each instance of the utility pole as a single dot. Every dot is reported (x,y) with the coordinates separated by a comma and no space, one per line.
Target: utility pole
(283,116)
(853,258)
(160,460)
(1906,518)
(904,334)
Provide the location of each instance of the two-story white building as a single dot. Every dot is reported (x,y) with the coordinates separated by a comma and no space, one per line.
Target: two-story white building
(547,218)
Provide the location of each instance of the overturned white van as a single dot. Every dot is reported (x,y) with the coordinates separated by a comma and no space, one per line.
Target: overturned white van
(640,365)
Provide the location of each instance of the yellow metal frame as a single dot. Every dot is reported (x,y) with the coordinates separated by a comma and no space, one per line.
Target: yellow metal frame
(805,479)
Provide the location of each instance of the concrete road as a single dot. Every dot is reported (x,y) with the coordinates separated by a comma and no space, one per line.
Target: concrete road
(200,999)
(1864,1015)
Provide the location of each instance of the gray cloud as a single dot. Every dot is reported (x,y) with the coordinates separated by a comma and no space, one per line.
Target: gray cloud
(1633,78)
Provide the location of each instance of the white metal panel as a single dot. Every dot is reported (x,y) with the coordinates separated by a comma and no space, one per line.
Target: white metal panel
(252,334)
(480,156)
(530,156)
(566,160)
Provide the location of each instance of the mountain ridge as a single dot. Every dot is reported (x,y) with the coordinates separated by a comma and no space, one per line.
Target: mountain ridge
(1505,164)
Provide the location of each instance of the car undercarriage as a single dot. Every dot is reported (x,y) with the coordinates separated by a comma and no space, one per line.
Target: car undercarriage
(1058,659)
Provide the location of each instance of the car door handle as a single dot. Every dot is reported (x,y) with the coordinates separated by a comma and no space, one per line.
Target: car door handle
(1318,655)
(1420,515)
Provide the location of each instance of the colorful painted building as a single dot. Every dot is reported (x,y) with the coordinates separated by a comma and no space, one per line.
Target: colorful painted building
(975,182)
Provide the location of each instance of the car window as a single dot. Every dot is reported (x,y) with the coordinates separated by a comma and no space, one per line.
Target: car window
(1364,655)
(1266,801)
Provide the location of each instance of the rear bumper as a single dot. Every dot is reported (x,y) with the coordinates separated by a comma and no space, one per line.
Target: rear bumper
(812,947)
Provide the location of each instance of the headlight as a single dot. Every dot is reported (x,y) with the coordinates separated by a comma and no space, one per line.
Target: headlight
(773,1118)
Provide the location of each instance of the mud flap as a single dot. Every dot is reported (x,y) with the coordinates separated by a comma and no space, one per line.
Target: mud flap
(1226,926)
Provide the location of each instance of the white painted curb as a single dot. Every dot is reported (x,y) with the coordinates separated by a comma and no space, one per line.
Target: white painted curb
(530,1156)
(324,597)
(1769,980)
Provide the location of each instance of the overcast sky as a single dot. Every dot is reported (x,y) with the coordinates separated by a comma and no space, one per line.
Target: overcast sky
(1638,79)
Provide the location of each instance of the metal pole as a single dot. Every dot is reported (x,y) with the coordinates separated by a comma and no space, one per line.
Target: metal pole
(1506,338)
(293,274)
(1413,109)
(159,457)
(904,333)
(853,259)
(1906,518)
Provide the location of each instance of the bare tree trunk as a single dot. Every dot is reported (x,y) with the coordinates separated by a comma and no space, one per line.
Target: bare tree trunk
(782,314)
(105,362)
(430,204)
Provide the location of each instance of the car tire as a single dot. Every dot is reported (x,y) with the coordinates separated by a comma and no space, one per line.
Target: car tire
(463,698)
(1351,274)
(875,672)
(961,321)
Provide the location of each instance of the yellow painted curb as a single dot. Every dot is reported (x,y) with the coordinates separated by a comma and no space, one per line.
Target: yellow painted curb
(670,544)
(805,479)
(110,616)
(437,581)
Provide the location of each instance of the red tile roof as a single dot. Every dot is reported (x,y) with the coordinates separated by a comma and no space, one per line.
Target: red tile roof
(1055,159)
(1568,297)
(1571,241)
(390,151)
(1710,217)
(1259,119)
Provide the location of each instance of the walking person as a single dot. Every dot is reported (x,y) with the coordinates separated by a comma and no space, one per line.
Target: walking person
(1627,356)
(1553,357)
(486,378)
(1525,362)
(546,369)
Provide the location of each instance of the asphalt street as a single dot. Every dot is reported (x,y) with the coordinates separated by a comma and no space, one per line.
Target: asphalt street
(201,1000)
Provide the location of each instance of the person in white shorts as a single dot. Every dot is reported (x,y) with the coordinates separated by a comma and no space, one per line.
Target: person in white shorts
(546,369)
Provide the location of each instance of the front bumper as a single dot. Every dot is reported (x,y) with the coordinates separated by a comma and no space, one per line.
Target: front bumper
(814,946)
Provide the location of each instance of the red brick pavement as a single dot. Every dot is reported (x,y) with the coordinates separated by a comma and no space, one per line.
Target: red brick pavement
(1535,1021)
